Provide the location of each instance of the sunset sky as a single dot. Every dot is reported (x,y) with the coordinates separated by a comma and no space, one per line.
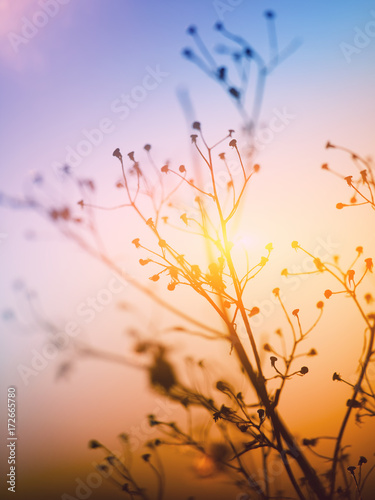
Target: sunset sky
(64,83)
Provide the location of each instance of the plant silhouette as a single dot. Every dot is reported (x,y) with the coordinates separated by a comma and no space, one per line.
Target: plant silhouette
(242,425)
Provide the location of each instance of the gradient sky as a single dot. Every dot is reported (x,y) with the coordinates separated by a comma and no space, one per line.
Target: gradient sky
(67,78)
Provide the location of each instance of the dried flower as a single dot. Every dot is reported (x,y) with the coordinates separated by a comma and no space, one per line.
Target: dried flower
(352,403)
(276,292)
(261,413)
(336,376)
(144,262)
(233,143)
(269,14)
(362,460)
(348,179)
(312,352)
(196,126)
(309,442)
(284,272)
(94,444)
(273,360)
(243,427)
(194,138)
(320,304)
(222,73)
(327,294)
(369,264)
(254,311)
(136,242)
(295,312)
(155,277)
(369,298)
(147,147)
(173,272)
(188,53)
(304,370)
(131,155)
(295,245)
(165,169)
(162,374)
(152,421)
(182,168)
(117,153)
(234,92)
(222,386)
(191,30)
(183,217)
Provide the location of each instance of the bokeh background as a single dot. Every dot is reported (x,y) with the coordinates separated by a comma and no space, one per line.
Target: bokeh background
(65,79)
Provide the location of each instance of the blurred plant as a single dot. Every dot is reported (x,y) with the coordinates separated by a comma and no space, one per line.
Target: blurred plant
(236,76)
